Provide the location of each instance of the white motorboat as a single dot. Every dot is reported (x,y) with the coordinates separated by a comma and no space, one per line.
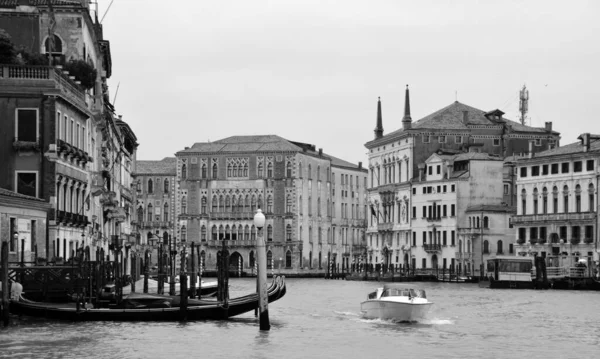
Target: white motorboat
(396,303)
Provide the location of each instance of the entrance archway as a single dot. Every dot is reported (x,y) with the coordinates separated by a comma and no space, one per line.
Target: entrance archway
(434,261)
(236,262)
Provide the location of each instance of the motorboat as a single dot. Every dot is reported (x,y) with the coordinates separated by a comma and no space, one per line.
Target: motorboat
(396,303)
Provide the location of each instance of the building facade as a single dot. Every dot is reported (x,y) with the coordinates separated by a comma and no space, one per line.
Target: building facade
(557,203)
(313,203)
(395,162)
(62,141)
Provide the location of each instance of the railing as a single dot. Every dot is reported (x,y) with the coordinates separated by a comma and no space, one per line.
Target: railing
(472,230)
(434,219)
(553,217)
(562,272)
(463,255)
(385,226)
(432,247)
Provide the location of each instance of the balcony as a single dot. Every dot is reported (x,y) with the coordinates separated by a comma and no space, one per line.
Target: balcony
(434,219)
(386,188)
(384,227)
(472,231)
(432,247)
(41,79)
(231,215)
(463,255)
(555,217)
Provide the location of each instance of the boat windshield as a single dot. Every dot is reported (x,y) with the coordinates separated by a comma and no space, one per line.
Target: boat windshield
(372,295)
(393,292)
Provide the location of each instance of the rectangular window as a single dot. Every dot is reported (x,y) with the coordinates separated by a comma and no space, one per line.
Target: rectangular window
(523,171)
(414,241)
(452,238)
(522,233)
(564,167)
(12,247)
(535,171)
(577,166)
(589,232)
(438,169)
(415,190)
(453,188)
(505,189)
(430,170)
(73,133)
(439,189)
(562,232)
(453,210)
(544,170)
(414,212)
(424,190)
(26,183)
(445,189)
(441,139)
(58,126)
(66,129)
(425,139)
(554,168)
(445,211)
(458,139)
(538,141)
(83,141)
(424,211)
(26,128)
(496,142)
(424,237)
(77,137)
(444,238)
(589,165)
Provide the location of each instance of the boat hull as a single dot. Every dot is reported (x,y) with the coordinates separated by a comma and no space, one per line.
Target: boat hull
(394,311)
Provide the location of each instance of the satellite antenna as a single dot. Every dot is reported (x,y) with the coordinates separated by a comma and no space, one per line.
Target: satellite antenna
(523,103)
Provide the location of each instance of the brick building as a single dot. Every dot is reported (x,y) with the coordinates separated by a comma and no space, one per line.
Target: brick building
(313,202)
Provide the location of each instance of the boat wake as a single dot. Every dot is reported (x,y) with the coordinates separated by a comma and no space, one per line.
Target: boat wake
(348,314)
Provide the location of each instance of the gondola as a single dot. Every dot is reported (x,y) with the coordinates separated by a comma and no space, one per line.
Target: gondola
(143,307)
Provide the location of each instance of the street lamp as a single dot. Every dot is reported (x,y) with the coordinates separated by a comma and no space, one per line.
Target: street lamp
(259,222)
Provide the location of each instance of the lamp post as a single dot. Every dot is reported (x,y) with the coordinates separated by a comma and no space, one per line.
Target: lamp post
(261,254)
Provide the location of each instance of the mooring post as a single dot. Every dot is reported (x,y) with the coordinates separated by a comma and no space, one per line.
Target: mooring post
(261,254)
(193,275)
(146,259)
(200,265)
(172,266)
(5,284)
(183,295)
(133,272)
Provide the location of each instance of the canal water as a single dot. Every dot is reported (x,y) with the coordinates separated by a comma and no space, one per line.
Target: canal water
(320,319)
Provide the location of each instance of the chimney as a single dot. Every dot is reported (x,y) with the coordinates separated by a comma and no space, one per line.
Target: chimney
(186,148)
(360,165)
(548,126)
(421,171)
(320,152)
(465,118)
(585,141)
(530,149)
(406,120)
(379,125)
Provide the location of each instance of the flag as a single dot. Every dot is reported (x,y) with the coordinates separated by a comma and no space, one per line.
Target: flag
(373,211)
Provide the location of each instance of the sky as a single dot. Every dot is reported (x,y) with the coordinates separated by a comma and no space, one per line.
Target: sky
(311,71)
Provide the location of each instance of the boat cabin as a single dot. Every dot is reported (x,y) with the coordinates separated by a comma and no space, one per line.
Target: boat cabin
(510,268)
(395,291)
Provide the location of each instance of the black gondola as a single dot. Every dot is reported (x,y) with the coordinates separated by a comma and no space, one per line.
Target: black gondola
(144,308)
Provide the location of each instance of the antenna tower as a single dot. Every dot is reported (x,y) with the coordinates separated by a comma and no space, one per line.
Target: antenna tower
(523,103)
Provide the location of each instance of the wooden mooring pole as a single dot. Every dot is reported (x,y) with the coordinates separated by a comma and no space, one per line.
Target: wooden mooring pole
(183,295)
(5,285)
(193,275)
(146,260)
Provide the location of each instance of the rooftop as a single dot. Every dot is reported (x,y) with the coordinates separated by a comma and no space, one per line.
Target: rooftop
(572,148)
(166,166)
(8,193)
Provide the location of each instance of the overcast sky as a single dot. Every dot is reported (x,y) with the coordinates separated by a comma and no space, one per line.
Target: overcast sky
(311,71)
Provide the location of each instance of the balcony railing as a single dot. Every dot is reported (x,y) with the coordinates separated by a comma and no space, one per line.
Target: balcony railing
(385,226)
(432,247)
(472,230)
(555,217)
(45,78)
(463,255)
(433,219)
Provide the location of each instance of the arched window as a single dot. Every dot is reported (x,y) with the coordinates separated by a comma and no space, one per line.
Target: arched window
(166,185)
(269,233)
(221,232)
(221,204)
(233,232)
(203,171)
(470,222)
(288,259)
(300,205)
(57,47)
(320,235)
(215,235)
(253,203)
(235,170)
(252,233)
(183,205)
(247,204)
(288,204)
(158,184)
(300,169)
(260,169)
(478,222)
(288,233)
(203,233)
(591,198)
(203,205)
(320,261)
(486,222)
(183,234)
(166,212)
(318,173)
(319,206)
(150,186)
(260,202)
(214,171)
(269,260)
(150,236)
(229,170)
(486,246)
(215,204)
(578,198)
(247,232)
(523,201)
(269,204)
(566,199)
(310,234)
(544,200)
(288,169)
(310,259)
(165,237)
(499,250)
(140,215)
(227,204)
(245,170)
(251,260)
(270,170)
(149,212)
(309,170)
(329,236)
(202,259)
(183,171)
(555,199)
(535,201)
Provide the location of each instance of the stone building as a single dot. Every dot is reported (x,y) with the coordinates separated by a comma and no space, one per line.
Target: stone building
(557,203)
(155,183)
(313,203)
(394,161)
(61,141)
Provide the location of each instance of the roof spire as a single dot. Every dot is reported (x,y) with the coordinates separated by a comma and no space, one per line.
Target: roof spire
(406,120)
(379,126)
